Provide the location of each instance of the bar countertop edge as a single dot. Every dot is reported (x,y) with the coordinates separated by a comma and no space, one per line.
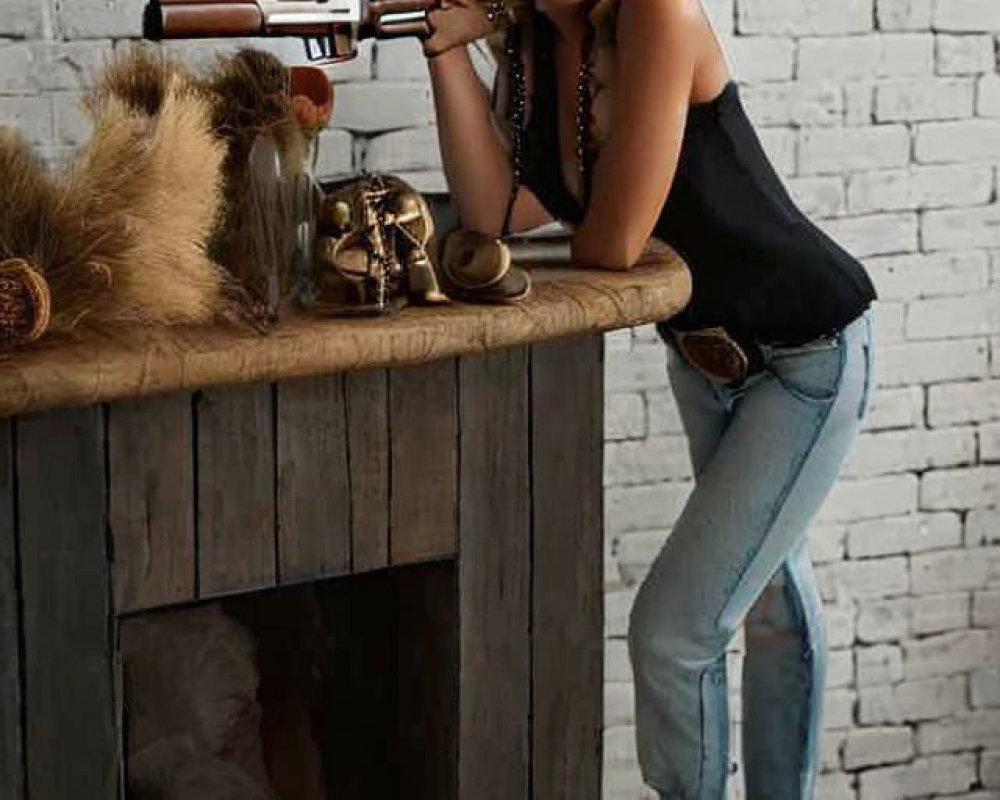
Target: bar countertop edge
(564,301)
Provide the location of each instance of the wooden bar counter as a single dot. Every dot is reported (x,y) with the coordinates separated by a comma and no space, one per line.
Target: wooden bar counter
(441,469)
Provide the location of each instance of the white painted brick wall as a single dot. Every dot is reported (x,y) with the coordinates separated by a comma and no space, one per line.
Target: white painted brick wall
(883,117)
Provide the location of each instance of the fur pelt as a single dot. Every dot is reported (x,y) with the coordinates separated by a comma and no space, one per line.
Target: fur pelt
(139,78)
(149,222)
(158,178)
(121,234)
(27,200)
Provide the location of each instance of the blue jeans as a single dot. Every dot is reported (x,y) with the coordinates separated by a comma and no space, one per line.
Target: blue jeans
(765,455)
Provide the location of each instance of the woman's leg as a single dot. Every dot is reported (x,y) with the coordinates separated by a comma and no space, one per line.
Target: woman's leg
(784,677)
(784,670)
(780,453)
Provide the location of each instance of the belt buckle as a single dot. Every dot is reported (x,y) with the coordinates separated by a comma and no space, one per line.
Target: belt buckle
(714,353)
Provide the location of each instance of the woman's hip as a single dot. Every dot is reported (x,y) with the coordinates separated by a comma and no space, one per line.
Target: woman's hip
(828,371)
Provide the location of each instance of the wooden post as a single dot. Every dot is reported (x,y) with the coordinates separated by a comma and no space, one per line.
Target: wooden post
(11,735)
(567,436)
(71,739)
(494,579)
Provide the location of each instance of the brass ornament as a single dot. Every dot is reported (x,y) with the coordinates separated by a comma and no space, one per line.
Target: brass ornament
(25,303)
(371,255)
(478,268)
(376,252)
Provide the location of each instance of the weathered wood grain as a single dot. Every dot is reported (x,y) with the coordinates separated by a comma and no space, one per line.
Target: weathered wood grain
(151,501)
(367,397)
(314,504)
(149,360)
(568,558)
(494,578)
(11,741)
(236,523)
(70,736)
(423,417)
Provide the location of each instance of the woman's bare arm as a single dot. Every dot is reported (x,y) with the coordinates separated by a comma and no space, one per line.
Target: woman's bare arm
(637,163)
(476,164)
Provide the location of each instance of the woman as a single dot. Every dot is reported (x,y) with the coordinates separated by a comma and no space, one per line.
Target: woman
(635,127)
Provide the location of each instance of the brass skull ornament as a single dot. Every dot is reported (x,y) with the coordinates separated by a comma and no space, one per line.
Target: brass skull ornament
(372,249)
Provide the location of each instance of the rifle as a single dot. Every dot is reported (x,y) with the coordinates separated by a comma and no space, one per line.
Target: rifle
(330,29)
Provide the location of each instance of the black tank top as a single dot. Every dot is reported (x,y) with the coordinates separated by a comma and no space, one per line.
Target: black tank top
(759,266)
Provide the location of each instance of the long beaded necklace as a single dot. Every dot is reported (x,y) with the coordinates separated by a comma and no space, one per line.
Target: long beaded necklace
(584,103)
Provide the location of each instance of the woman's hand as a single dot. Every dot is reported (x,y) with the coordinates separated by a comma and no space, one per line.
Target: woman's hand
(457,22)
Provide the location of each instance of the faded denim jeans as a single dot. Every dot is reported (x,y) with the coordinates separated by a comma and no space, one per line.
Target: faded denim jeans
(765,456)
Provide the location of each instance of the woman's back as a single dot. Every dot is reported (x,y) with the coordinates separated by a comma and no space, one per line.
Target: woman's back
(758,264)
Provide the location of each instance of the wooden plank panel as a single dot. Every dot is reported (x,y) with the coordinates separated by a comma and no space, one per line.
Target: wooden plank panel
(71,742)
(428,680)
(236,531)
(151,501)
(567,432)
(423,417)
(367,397)
(314,511)
(11,742)
(494,578)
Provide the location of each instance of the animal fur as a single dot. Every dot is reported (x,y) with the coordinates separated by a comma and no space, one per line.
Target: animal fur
(27,199)
(149,222)
(165,200)
(139,79)
(121,234)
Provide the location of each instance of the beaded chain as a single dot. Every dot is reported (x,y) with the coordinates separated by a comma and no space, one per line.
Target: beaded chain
(512,47)
(495,9)
(584,102)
